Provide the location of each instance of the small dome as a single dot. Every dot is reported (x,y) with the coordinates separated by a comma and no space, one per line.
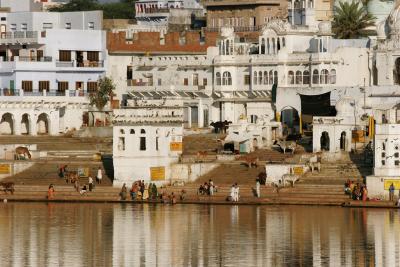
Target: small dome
(344,106)
(325,27)
(380,9)
(394,20)
(381,30)
(227,32)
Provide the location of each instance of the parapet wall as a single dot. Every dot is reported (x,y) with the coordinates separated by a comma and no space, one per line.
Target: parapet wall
(152,42)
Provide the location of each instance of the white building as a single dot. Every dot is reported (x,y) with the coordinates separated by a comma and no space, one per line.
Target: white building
(157,13)
(49,63)
(147,139)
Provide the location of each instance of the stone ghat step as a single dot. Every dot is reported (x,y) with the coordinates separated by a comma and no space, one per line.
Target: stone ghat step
(195,200)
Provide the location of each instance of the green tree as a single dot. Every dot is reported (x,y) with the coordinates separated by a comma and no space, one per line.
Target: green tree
(351,20)
(105,92)
(125,9)
(77,5)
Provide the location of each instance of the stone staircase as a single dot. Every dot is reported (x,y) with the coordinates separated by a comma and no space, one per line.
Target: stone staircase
(62,193)
(201,142)
(300,194)
(45,173)
(60,143)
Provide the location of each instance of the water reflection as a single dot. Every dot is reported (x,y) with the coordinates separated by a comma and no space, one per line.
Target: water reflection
(154,235)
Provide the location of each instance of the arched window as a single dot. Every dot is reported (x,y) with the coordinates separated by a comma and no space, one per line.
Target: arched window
(265,77)
(324,79)
(262,48)
(226,78)
(268,47)
(122,131)
(271,77)
(333,76)
(315,77)
(283,42)
(290,77)
(260,77)
(227,47)
(306,77)
(142,144)
(299,77)
(276,77)
(132,131)
(255,78)
(273,46)
(218,78)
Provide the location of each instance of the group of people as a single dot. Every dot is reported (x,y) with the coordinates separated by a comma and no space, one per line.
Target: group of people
(234,193)
(356,191)
(207,188)
(139,191)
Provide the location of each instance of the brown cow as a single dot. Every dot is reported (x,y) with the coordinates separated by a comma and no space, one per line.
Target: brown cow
(7,186)
(22,152)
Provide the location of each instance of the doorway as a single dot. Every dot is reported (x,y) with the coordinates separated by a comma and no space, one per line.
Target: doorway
(343,141)
(325,141)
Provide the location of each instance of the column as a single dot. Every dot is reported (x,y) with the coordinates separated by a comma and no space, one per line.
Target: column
(17,125)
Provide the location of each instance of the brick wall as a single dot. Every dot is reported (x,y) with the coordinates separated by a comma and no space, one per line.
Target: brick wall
(149,42)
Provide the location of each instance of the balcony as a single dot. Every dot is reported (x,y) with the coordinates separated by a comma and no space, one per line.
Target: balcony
(82,64)
(236,28)
(20,37)
(43,93)
(139,83)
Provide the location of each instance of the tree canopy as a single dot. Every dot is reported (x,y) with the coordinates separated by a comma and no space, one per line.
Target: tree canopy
(351,20)
(125,9)
(105,91)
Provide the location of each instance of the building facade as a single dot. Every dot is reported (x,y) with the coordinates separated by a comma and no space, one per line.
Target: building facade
(50,62)
(147,139)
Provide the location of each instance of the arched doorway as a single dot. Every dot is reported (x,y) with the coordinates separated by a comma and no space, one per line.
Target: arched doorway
(255,143)
(43,124)
(7,124)
(343,141)
(396,72)
(25,124)
(290,121)
(325,141)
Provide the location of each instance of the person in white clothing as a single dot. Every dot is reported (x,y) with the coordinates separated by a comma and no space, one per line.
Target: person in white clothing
(211,187)
(99,175)
(90,183)
(232,193)
(257,188)
(236,192)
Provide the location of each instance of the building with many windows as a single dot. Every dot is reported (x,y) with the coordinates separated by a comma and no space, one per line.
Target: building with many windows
(49,63)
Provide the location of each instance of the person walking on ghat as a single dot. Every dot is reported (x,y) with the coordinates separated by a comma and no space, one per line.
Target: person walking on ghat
(99,175)
(90,183)
(257,188)
(391,192)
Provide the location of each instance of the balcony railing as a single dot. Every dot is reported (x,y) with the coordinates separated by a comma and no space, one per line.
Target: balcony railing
(139,83)
(43,93)
(90,64)
(236,28)
(35,59)
(9,92)
(64,64)
(19,37)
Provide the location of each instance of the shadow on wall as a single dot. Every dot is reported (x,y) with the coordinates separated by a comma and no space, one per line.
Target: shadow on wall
(108,166)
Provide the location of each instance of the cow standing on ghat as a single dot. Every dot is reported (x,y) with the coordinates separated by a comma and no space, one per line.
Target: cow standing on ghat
(22,153)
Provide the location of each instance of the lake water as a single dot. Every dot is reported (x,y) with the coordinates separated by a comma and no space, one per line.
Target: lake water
(40,234)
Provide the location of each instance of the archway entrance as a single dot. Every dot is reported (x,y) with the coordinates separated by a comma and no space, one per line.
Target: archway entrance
(396,71)
(290,121)
(43,124)
(343,141)
(25,124)
(325,141)
(7,124)
(255,143)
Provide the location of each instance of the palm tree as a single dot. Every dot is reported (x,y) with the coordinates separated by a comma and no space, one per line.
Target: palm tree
(351,20)
(104,93)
